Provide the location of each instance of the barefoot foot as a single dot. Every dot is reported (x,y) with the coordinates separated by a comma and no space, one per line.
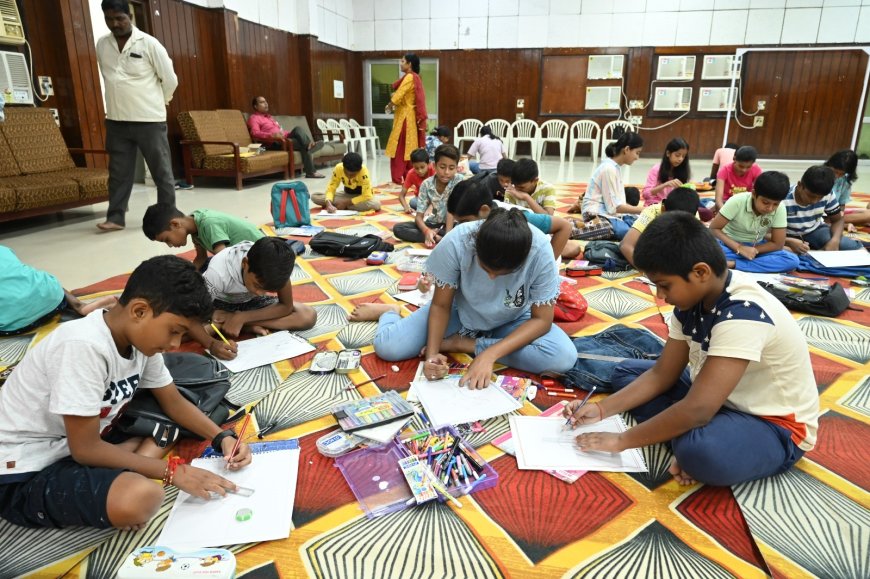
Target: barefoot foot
(730,264)
(372,312)
(458,344)
(258,330)
(106,302)
(681,476)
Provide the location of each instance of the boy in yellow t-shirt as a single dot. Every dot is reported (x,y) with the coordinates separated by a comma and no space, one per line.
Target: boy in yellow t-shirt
(357,195)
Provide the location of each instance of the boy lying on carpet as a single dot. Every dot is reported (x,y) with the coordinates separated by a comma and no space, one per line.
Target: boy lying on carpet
(63,462)
(32,297)
(239,279)
(211,231)
(495,286)
(747,406)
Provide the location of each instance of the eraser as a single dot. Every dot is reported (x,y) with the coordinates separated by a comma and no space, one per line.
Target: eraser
(394,368)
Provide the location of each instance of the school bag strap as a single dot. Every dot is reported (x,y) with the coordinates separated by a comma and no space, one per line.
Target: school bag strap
(290,203)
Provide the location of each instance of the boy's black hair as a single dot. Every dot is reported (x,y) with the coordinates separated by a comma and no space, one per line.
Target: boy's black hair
(157,218)
(414,61)
(772,185)
(746,153)
(271,260)
(448,151)
(734,146)
(818,180)
(254,102)
(632,195)
(681,171)
(116,5)
(504,240)
(441,131)
(845,161)
(525,171)
(682,199)
(170,284)
(628,139)
(468,197)
(419,156)
(505,168)
(674,242)
(352,162)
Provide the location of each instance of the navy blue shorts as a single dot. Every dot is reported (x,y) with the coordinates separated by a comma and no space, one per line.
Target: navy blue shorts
(64,494)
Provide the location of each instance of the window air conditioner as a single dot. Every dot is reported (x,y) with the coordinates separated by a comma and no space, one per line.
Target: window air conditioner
(15,85)
(11,28)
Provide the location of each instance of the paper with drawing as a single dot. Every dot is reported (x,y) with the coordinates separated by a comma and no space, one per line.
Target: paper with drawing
(266,350)
(447,403)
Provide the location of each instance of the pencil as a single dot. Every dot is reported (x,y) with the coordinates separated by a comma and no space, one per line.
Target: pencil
(215,328)
(355,386)
(238,440)
(582,404)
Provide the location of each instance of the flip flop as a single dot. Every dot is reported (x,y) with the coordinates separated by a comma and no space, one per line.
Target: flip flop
(315,176)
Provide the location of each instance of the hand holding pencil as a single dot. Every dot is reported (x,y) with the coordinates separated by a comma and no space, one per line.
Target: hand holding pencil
(577,412)
(223,349)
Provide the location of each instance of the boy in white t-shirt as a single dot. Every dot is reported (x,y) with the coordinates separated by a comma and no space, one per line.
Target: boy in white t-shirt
(62,461)
(747,407)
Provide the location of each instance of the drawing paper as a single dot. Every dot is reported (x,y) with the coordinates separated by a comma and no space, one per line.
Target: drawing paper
(447,403)
(266,350)
(851,258)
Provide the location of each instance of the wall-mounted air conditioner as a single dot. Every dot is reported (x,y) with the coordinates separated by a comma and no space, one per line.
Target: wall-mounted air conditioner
(11,28)
(15,85)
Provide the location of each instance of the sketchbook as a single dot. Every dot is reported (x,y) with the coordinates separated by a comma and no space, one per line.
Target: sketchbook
(266,350)
(416,297)
(447,403)
(263,515)
(850,258)
(338,213)
(543,443)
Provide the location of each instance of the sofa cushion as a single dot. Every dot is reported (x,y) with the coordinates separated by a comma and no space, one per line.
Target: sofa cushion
(288,123)
(203,126)
(8,164)
(34,191)
(234,125)
(331,149)
(276,160)
(93,183)
(8,199)
(35,141)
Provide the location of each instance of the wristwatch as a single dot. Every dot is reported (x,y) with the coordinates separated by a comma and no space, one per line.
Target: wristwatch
(219,438)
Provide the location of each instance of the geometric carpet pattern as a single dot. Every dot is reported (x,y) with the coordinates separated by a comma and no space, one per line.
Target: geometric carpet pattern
(810,521)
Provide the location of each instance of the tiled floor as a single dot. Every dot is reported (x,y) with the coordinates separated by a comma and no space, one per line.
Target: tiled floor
(69,245)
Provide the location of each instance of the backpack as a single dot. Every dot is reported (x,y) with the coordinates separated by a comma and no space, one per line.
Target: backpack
(290,204)
(607,254)
(202,380)
(349,246)
(570,305)
(831,302)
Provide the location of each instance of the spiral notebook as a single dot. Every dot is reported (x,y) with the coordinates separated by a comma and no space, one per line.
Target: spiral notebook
(262,515)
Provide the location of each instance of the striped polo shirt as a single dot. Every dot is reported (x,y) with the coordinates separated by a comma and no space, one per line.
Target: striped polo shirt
(804,219)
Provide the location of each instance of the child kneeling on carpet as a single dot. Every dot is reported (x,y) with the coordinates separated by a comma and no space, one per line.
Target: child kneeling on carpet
(495,286)
(239,279)
(211,231)
(743,224)
(747,406)
(65,464)
(357,195)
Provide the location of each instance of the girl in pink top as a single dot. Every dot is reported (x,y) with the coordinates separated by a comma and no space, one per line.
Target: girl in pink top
(672,172)
(491,151)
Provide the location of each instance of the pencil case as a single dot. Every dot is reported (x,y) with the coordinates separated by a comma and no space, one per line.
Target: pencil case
(159,561)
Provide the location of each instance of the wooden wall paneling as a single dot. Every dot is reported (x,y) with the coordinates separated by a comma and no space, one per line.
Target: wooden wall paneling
(82,59)
(563,84)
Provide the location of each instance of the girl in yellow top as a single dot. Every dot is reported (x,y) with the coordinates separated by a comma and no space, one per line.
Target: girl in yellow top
(409,123)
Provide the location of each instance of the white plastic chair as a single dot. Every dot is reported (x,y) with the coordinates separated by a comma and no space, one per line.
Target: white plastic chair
(553,131)
(524,130)
(501,129)
(367,135)
(466,130)
(326,132)
(334,129)
(585,131)
(607,136)
(352,139)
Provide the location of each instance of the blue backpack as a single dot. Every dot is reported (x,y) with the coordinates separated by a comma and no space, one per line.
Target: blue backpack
(290,201)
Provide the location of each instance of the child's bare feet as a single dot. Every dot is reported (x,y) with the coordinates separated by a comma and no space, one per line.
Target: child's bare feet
(458,344)
(681,476)
(372,312)
(133,527)
(730,264)
(258,330)
(106,302)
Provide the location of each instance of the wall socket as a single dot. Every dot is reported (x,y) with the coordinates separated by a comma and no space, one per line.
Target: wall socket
(761,105)
(520,116)
(46,89)
(521,103)
(758,121)
(56,116)
(635,120)
(635,104)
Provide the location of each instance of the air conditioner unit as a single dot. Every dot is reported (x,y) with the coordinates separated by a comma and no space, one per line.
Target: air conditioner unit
(11,28)
(15,85)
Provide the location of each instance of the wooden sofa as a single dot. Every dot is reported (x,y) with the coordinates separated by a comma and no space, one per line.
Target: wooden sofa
(215,144)
(37,172)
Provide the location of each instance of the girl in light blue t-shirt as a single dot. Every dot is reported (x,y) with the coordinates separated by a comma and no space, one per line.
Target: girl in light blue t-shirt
(495,286)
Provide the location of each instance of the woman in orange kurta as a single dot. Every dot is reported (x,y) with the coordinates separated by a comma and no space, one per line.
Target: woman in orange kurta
(409,123)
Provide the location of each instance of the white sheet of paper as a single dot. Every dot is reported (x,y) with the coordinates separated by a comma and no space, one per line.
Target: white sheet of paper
(419,252)
(416,297)
(195,523)
(543,444)
(338,213)
(267,349)
(510,206)
(447,403)
(851,258)
(384,432)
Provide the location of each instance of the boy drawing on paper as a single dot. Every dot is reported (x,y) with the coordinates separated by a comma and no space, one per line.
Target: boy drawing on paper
(747,405)
(357,194)
(239,279)
(211,231)
(419,172)
(63,462)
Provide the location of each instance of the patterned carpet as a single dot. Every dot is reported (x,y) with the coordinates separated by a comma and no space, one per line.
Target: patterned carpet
(811,521)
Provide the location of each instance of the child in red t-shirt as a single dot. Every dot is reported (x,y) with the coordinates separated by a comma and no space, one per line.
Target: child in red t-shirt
(421,170)
(737,177)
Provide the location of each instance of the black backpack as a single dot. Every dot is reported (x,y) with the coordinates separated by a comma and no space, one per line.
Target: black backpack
(202,380)
(349,246)
(831,302)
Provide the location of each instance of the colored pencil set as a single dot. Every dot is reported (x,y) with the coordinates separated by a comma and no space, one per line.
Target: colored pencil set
(452,462)
(372,411)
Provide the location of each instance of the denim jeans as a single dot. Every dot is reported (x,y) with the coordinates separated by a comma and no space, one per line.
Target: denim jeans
(818,237)
(734,447)
(401,338)
(621,224)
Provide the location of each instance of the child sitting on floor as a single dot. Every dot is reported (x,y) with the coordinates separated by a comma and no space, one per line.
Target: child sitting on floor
(738,176)
(528,190)
(433,193)
(471,201)
(211,231)
(500,181)
(743,224)
(733,392)
(239,279)
(357,195)
(845,166)
(420,171)
(808,204)
(673,171)
(65,463)
(32,297)
(495,286)
(680,199)
(723,156)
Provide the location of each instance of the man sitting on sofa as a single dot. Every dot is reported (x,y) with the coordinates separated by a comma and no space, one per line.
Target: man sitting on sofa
(263,126)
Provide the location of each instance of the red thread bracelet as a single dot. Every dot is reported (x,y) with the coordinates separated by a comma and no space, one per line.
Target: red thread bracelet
(171,466)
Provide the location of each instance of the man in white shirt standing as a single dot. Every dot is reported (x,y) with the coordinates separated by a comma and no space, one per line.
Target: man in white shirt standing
(139,83)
